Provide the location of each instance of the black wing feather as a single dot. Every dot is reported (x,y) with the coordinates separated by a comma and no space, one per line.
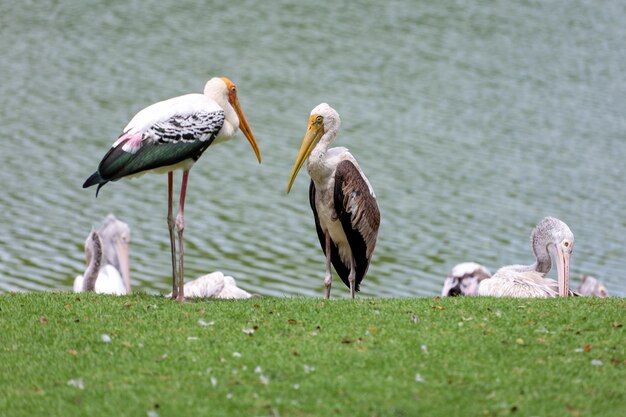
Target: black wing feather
(165,143)
(358,213)
(342,270)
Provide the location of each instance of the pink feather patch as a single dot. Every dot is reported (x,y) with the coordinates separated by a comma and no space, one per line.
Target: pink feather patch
(131,142)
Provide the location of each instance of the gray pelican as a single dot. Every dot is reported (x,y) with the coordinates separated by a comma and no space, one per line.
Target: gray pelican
(102,277)
(592,287)
(172,135)
(343,201)
(550,240)
(464,279)
(215,285)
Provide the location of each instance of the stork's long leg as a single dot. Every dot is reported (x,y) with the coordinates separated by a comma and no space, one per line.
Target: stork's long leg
(352,279)
(170,225)
(180,227)
(328,279)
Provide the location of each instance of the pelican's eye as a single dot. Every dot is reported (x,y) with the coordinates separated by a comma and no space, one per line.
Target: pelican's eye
(319,120)
(566,243)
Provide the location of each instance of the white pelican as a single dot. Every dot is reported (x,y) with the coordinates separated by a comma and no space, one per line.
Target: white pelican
(171,135)
(551,240)
(103,278)
(464,279)
(592,287)
(216,285)
(343,201)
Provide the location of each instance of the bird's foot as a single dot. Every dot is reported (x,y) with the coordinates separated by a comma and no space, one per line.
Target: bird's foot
(328,281)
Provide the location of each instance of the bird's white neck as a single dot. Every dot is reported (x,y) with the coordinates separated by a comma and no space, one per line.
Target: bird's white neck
(317,164)
(216,89)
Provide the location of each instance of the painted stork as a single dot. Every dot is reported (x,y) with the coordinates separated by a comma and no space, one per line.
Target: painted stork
(550,240)
(343,201)
(171,135)
(101,276)
(464,279)
(215,285)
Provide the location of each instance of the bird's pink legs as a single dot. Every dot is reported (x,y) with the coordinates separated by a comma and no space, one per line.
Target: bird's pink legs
(352,279)
(328,279)
(170,225)
(180,227)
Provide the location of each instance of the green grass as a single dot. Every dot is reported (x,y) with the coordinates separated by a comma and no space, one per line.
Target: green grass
(310,357)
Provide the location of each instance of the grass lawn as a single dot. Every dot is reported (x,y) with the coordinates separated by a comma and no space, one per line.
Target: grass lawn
(64,354)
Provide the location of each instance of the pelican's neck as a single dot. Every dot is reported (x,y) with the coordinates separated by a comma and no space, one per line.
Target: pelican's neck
(94,247)
(543,261)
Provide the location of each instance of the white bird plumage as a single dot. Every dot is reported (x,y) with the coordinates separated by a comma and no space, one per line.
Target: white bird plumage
(344,205)
(464,279)
(106,253)
(214,285)
(551,240)
(172,135)
(592,287)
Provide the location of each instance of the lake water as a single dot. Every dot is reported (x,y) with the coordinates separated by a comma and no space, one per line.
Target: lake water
(473,121)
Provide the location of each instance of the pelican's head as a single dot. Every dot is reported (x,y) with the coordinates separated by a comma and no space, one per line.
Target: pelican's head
(553,235)
(224,92)
(324,121)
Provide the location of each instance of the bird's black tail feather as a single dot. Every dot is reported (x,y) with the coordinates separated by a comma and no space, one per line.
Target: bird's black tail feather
(95,178)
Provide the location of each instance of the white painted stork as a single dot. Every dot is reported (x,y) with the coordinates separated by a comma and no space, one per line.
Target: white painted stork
(101,275)
(464,279)
(171,135)
(215,285)
(551,240)
(343,201)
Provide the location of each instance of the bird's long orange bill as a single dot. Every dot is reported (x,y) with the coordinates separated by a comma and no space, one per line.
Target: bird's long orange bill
(562,266)
(312,137)
(245,128)
(243,122)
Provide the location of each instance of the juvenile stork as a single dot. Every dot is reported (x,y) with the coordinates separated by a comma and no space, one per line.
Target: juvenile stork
(343,202)
(551,240)
(171,135)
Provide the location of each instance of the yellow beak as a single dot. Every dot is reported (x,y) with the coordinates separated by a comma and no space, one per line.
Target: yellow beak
(243,122)
(312,137)
(245,128)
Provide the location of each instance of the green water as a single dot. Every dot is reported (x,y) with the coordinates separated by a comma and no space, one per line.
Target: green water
(472,120)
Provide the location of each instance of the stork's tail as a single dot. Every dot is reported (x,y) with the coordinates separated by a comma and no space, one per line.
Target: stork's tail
(95,178)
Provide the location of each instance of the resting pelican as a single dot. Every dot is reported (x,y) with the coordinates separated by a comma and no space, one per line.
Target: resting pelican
(343,201)
(551,240)
(464,279)
(171,135)
(592,287)
(99,276)
(216,285)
